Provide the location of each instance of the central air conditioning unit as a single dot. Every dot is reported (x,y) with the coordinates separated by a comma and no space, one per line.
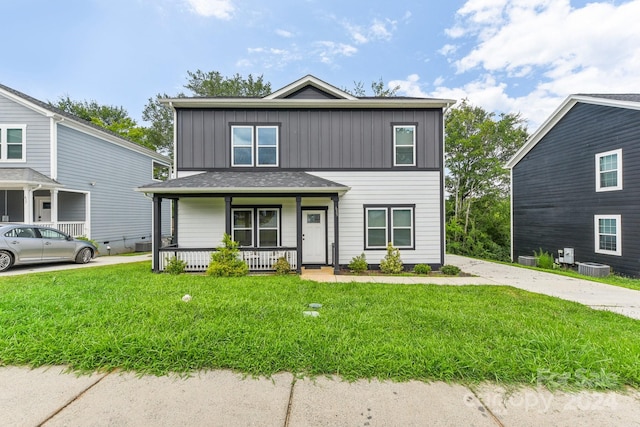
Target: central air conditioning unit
(593,269)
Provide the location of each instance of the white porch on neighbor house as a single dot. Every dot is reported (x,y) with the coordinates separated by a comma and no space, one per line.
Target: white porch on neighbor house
(28,197)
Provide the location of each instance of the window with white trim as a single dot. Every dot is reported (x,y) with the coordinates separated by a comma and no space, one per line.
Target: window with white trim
(12,143)
(254,146)
(404,145)
(608,234)
(389,224)
(256,227)
(609,170)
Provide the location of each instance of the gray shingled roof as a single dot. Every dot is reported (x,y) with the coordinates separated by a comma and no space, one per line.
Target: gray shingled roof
(26,176)
(630,97)
(284,181)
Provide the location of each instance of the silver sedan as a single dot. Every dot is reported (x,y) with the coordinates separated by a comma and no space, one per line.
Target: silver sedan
(32,244)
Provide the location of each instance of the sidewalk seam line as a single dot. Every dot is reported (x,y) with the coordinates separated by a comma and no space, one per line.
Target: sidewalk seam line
(489,411)
(78,396)
(290,403)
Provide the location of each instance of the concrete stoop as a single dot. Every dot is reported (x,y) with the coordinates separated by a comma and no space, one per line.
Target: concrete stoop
(322,271)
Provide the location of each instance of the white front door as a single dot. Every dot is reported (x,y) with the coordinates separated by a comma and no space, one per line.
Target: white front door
(314,237)
(43,209)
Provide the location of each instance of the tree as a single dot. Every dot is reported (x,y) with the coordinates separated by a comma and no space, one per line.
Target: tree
(112,118)
(378,88)
(209,84)
(477,147)
(212,83)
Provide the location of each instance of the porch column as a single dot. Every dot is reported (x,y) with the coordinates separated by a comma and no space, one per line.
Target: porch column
(157,232)
(27,218)
(174,220)
(299,233)
(54,207)
(336,236)
(227,215)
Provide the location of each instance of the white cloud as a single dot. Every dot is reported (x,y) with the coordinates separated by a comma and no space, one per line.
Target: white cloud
(328,50)
(558,48)
(221,9)
(376,30)
(284,33)
(269,57)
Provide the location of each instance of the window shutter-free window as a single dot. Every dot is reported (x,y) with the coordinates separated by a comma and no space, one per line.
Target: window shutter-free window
(267,137)
(12,142)
(609,171)
(607,230)
(404,145)
(242,145)
(376,228)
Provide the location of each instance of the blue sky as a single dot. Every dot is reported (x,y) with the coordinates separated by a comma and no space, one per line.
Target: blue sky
(503,55)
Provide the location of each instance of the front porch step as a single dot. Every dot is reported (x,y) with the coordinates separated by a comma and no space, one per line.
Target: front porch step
(322,271)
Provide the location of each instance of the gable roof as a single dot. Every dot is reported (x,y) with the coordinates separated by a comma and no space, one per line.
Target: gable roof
(279,99)
(310,80)
(246,182)
(76,122)
(630,101)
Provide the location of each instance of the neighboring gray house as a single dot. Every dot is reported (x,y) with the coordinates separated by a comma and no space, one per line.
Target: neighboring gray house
(576,183)
(309,172)
(59,170)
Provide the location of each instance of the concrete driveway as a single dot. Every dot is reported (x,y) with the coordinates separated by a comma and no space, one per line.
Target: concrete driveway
(595,295)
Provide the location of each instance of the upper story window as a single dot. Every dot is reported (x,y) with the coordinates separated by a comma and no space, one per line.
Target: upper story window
(254,145)
(404,145)
(12,143)
(161,171)
(609,171)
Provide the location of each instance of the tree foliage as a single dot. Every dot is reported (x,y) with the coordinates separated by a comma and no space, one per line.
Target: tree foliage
(378,89)
(477,146)
(213,83)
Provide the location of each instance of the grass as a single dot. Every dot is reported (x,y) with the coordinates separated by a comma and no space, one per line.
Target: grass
(128,318)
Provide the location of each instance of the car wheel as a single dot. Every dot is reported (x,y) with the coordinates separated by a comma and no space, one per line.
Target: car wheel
(84,256)
(6,260)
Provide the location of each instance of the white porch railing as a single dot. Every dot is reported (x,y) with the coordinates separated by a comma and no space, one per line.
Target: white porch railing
(257,259)
(74,229)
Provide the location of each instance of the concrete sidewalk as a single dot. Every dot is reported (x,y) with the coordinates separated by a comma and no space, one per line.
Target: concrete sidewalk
(96,262)
(49,397)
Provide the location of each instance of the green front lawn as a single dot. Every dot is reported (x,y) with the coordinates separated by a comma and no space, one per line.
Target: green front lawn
(126,317)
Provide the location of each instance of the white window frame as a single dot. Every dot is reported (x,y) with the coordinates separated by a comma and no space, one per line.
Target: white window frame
(4,144)
(597,234)
(234,228)
(255,146)
(389,227)
(255,224)
(395,145)
(385,228)
(233,146)
(258,146)
(411,227)
(599,186)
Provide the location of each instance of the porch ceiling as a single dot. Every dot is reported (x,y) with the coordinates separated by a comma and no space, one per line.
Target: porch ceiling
(247,182)
(19,177)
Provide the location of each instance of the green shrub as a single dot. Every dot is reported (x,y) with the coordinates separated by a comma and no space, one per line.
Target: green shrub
(175,265)
(225,261)
(544,259)
(391,264)
(422,269)
(86,239)
(450,270)
(358,264)
(282,266)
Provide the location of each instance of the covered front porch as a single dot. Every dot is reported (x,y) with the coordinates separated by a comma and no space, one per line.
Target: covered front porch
(294,215)
(29,197)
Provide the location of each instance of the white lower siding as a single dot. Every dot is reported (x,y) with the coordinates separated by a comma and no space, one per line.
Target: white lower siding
(419,188)
(201,221)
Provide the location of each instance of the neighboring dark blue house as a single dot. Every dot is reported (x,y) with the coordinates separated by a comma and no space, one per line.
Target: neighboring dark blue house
(576,183)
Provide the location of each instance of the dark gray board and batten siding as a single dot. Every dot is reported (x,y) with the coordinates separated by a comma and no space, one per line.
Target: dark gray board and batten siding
(554,187)
(311,139)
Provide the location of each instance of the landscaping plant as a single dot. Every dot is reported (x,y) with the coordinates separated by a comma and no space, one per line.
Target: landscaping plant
(282,266)
(175,265)
(358,264)
(422,269)
(226,262)
(391,263)
(544,259)
(450,270)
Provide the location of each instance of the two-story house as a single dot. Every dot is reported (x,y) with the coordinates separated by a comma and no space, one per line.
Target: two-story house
(59,170)
(575,185)
(309,172)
